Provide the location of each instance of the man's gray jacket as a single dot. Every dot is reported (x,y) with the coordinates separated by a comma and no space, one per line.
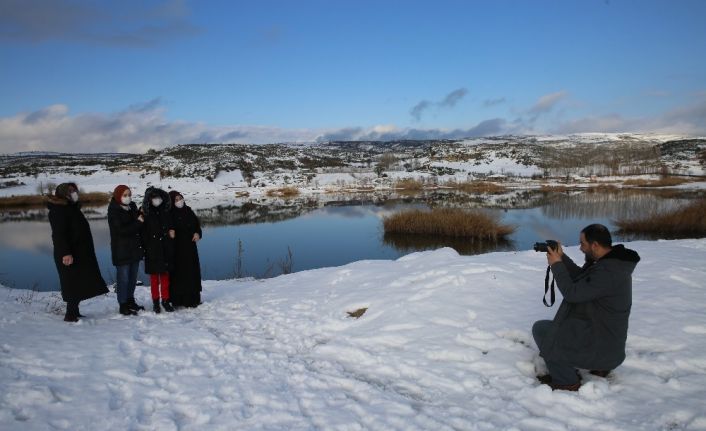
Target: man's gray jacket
(591,325)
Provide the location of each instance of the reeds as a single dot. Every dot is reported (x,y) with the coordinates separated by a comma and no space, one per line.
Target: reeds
(478,187)
(661,182)
(450,222)
(25,201)
(283,192)
(684,221)
(409,184)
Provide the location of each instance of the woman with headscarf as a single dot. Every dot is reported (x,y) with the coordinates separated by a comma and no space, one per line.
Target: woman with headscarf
(158,239)
(125,223)
(185,288)
(74,254)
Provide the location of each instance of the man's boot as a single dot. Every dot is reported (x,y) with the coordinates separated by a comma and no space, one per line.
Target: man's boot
(155,306)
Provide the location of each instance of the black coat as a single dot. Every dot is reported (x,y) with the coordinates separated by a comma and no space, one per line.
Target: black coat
(71,235)
(159,247)
(591,326)
(125,233)
(185,278)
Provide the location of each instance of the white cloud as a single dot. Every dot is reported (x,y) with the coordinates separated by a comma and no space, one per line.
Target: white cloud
(547,102)
(135,129)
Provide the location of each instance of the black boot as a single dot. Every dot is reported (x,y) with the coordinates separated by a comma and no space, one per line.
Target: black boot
(155,306)
(167,306)
(134,306)
(125,310)
(72,314)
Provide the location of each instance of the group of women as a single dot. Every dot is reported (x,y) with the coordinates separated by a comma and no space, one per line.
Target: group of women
(163,231)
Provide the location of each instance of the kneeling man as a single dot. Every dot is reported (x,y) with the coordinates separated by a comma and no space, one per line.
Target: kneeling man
(591,325)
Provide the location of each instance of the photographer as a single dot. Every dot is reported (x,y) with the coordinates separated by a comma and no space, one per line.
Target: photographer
(591,325)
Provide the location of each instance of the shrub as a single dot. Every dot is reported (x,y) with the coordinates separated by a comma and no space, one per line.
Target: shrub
(451,222)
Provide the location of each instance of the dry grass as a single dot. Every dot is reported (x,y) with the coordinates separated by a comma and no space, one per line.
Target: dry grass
(26,201)
(662,182)
(450,222)
(409,184)
(478,187)
(283,192)
(688,220)
(553,188)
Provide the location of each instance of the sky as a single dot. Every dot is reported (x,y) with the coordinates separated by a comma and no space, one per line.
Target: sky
(133,75)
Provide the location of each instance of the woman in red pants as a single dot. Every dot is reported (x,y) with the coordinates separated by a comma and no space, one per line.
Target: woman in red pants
(158,236)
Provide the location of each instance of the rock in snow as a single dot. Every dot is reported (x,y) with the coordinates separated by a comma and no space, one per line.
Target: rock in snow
(445,344)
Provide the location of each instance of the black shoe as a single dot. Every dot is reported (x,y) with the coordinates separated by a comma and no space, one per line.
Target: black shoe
(125,310)
(600,373)
(134,306)
(167,306)
(155,306)
(72,313)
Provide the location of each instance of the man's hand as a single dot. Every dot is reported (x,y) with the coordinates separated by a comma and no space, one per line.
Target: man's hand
(141,218)
(554,255)
(67,260)
(172,233)
(196,237)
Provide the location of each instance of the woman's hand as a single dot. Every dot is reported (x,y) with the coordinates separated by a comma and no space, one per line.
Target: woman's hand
(196,237)
(172,233)
(67,260)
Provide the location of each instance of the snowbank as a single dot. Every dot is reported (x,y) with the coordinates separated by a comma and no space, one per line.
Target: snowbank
(445,344)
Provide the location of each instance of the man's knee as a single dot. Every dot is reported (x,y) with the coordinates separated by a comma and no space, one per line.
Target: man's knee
(539,330)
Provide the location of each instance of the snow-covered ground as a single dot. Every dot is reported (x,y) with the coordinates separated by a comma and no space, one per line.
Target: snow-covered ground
(444,345)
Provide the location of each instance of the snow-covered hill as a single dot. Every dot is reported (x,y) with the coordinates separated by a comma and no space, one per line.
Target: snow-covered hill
(445,344)
(211,175)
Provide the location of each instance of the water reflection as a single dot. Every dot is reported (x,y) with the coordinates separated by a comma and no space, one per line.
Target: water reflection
(333,230)
(411,243)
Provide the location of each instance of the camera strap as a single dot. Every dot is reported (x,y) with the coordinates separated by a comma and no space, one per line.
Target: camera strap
(552,296)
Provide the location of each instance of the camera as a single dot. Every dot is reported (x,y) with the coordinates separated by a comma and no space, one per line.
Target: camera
(543,246)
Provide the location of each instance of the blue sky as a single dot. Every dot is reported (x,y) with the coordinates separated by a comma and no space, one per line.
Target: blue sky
(132,75)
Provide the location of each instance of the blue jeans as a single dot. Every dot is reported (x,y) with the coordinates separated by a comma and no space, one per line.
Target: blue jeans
(562,373)
(127,278)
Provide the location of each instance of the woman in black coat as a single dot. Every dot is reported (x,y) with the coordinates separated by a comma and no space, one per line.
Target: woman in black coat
(74,254)
(158,241)
(125,224)
(185,277)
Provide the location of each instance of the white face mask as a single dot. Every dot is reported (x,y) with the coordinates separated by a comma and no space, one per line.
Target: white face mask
(74,196)
(156,201)
(179,204)
(126,200)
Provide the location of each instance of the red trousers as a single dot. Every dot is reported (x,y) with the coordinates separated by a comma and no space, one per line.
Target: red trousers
(157,280)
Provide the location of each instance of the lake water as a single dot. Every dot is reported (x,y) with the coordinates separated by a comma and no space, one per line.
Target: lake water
(330,234)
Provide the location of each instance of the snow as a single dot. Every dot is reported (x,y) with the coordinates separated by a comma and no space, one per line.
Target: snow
(445,344)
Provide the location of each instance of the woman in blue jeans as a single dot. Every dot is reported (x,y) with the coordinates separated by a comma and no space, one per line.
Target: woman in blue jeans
(125,223)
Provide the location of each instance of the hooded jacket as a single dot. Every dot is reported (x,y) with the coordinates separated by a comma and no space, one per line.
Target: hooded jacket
(71,235)
(159,247)
(591,325)
(125,233)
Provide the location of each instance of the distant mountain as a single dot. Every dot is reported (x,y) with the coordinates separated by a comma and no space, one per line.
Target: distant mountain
(579,154)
